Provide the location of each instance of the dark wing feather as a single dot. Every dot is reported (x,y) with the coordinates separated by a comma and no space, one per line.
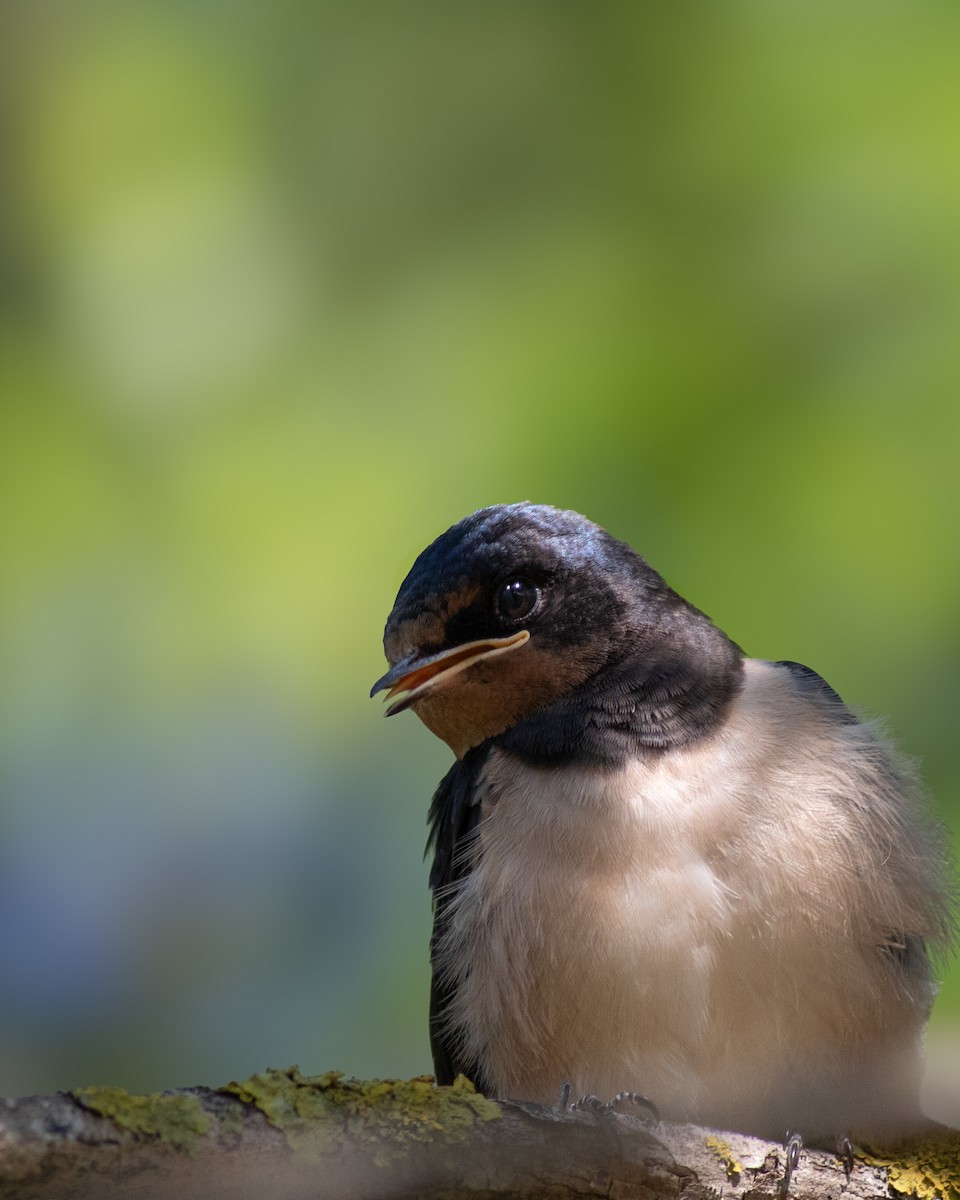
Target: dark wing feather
(807,681)
(454,813)
(907,953)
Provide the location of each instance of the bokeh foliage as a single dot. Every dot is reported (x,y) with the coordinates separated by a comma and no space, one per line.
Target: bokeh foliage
(287,289)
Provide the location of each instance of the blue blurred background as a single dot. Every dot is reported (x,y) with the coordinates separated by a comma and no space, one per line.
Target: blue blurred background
(287,289)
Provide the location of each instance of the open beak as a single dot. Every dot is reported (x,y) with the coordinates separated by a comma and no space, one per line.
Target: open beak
(416,676)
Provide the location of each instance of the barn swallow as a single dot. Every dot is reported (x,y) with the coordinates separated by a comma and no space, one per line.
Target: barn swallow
(658,863)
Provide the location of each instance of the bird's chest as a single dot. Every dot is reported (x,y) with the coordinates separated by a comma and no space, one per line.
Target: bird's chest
(595,909)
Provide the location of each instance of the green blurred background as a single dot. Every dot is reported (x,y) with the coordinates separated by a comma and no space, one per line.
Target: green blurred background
(287,289)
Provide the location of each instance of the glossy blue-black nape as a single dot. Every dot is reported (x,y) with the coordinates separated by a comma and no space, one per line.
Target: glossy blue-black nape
(653,670)
(506,537)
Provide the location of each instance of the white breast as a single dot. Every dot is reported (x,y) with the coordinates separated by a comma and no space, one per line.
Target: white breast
(700,926)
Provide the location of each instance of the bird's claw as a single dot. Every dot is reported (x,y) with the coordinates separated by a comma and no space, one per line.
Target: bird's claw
(794,1144)
(594,1104)
(638,1101)
(792,1147)
(589,1102)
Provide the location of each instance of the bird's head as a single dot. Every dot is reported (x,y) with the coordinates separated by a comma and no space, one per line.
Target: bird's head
(511,608)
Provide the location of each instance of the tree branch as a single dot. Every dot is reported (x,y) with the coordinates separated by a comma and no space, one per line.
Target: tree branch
(286,1136)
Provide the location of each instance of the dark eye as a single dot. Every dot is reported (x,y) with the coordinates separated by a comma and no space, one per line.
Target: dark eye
(516,599)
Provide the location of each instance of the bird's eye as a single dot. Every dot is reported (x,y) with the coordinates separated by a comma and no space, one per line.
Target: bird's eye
(516,599)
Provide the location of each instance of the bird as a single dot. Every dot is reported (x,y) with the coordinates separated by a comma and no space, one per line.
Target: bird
(659,863)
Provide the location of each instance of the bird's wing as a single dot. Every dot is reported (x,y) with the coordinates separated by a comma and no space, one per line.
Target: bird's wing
(815,687)
(905,952)
(454,814)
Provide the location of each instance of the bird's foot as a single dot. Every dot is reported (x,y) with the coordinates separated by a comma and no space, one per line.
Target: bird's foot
(794,1144)
(792,1147)
(594,1104)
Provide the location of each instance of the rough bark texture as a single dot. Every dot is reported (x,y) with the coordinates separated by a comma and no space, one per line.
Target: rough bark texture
(283,1135)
